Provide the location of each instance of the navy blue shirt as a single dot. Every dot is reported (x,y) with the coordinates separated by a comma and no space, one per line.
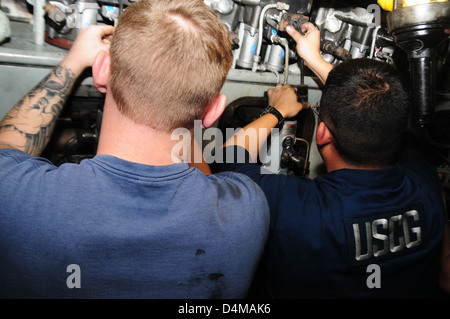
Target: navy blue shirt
(352,233)
(109,228)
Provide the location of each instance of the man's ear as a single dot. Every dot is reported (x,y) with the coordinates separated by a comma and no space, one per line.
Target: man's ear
(214,110)
(323,135)
(100,71)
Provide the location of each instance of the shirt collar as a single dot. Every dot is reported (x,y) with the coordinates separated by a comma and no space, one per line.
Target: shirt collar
(123,167)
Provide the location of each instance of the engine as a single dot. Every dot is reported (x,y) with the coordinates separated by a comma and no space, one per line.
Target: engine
(256,27)
(414,39)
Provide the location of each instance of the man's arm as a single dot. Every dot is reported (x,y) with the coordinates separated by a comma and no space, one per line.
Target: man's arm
(284,99)
(30,123)
(308,48)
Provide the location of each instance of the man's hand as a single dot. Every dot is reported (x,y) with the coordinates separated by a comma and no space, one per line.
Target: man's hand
(308,45)
(88,43)
(284,99)
(308,48)
(29,124)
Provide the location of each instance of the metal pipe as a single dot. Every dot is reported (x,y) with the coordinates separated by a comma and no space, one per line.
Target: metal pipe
(261,24)
(39,22)
(257,56)
(285,43)
(277,74)
(249,2)
(374,38)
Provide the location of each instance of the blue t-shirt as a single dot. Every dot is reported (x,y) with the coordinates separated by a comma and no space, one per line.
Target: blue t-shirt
(352,233)
(109,228)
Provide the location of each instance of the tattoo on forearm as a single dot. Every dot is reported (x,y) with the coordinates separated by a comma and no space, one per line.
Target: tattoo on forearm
(30,123)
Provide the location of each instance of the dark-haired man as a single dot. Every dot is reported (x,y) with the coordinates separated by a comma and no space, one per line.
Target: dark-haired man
(371,226)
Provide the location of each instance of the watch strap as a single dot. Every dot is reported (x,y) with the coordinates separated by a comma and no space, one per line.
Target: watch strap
(275,112)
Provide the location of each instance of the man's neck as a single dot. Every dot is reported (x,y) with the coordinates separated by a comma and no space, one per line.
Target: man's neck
(123,138)
(333,161)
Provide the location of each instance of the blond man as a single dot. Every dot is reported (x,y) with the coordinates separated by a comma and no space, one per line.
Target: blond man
(134,221)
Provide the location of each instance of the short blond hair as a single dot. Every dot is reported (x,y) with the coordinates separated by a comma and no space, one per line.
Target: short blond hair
(169,59)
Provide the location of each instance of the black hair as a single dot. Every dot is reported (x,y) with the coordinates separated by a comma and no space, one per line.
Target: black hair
(366,106)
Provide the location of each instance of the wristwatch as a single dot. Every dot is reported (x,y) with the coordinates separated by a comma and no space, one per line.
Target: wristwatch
(274,111)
